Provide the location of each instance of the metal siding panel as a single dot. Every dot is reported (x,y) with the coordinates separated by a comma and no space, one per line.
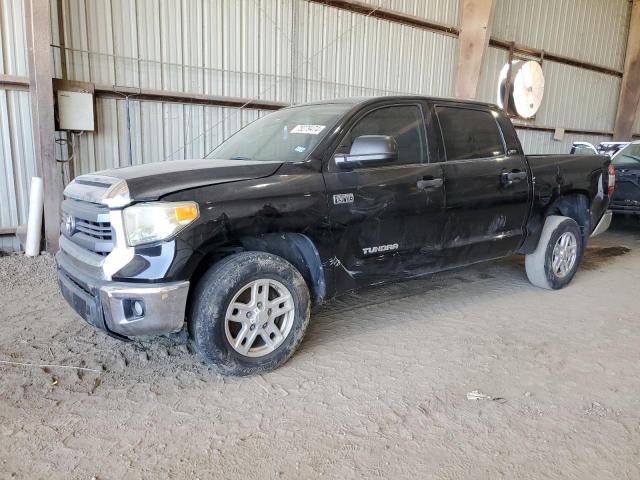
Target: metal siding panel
(347,54)
(100,42)
(578,98)
(589,30)
(149,49)
(151,132)
(106,144)
(17,161)
(438,11)
(537,142)
(146,132)
(193,48)
(213,46)
(173,129)
(13,40)
(125,42)
(494,61)
(171,44)
(76,40)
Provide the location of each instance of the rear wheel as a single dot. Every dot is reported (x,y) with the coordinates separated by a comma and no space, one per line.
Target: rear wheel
(250,312)
(556,259)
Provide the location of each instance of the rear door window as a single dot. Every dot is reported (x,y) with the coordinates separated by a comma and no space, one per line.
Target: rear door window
(469,133)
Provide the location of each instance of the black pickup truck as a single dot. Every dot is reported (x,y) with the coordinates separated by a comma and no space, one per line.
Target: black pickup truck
(312,201)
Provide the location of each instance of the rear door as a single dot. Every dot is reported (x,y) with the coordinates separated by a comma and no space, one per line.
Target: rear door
(386,219)
(486,184)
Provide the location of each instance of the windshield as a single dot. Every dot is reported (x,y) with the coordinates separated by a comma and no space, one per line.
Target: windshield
(286,135)
(628,156)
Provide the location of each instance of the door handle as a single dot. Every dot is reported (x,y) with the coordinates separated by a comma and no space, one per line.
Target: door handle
(429,182)
(509,178)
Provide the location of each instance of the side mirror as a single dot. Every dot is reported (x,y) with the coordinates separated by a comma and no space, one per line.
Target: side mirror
(369,150)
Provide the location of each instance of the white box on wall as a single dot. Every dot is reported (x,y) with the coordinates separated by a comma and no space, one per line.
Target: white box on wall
(75,111)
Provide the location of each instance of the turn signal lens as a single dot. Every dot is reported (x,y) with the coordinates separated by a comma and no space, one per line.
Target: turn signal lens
(186,213)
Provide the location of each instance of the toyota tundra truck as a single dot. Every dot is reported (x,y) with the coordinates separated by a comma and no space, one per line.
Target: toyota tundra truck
(312,201)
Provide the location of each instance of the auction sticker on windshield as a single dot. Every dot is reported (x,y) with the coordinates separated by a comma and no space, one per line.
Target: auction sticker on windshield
(308,129)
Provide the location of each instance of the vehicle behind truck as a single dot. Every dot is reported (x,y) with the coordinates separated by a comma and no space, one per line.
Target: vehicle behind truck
(313,201)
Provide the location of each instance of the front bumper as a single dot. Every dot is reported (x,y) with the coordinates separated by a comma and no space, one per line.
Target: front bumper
(109,305)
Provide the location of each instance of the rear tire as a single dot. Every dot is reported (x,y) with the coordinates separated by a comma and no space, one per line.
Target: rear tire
(249,314)
(556,259)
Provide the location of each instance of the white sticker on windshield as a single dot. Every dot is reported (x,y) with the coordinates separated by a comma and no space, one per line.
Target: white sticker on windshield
(308,129)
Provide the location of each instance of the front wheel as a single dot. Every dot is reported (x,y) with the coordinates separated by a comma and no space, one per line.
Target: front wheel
(250,312)
(556,259)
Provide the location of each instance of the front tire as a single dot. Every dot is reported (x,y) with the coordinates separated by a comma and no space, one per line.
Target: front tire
(250,312)
(556,259)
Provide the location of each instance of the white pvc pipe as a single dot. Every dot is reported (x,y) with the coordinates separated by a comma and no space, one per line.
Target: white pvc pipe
(34,223)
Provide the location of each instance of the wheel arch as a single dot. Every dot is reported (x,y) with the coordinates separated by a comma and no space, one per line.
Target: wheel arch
(574,204)
(296,248)
(299,250)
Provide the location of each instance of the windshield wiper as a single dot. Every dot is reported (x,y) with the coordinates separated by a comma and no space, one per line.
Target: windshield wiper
(240,157)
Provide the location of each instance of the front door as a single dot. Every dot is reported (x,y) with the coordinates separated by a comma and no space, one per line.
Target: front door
(386,219)
(486,184)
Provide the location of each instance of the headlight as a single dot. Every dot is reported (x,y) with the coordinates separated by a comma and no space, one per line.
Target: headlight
(155,221)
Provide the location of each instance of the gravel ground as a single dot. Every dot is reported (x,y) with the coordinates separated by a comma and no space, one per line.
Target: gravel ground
(379,388)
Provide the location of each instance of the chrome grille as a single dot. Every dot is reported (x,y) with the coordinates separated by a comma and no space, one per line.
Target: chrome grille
(88,226)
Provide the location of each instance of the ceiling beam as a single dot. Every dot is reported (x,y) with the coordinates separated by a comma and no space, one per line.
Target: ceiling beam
(475,32)
(42,115)
(629,102)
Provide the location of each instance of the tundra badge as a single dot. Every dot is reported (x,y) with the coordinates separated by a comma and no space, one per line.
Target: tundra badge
(381,248)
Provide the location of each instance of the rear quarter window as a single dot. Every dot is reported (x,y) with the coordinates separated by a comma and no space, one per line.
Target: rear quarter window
(469,133)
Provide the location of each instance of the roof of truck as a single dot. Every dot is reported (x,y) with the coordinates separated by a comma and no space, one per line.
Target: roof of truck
(363,100)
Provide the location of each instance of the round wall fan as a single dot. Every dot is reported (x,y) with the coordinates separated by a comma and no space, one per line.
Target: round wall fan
(526,89)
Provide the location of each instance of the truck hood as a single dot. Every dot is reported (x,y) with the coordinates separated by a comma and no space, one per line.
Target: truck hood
(121,186)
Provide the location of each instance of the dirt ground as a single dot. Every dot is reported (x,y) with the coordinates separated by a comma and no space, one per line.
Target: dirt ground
(378,389)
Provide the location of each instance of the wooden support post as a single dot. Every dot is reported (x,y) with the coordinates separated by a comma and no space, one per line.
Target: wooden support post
(475,31)
(629,102)
(42,115)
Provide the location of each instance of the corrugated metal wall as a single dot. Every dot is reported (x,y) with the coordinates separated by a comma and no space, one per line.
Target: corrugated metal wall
(283,50)
(219,47)
(347,54)
(296,51)
(252,48)
(438,11)
(17,161)
(593,31)
(13,56)
(133,132)
(542,142)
